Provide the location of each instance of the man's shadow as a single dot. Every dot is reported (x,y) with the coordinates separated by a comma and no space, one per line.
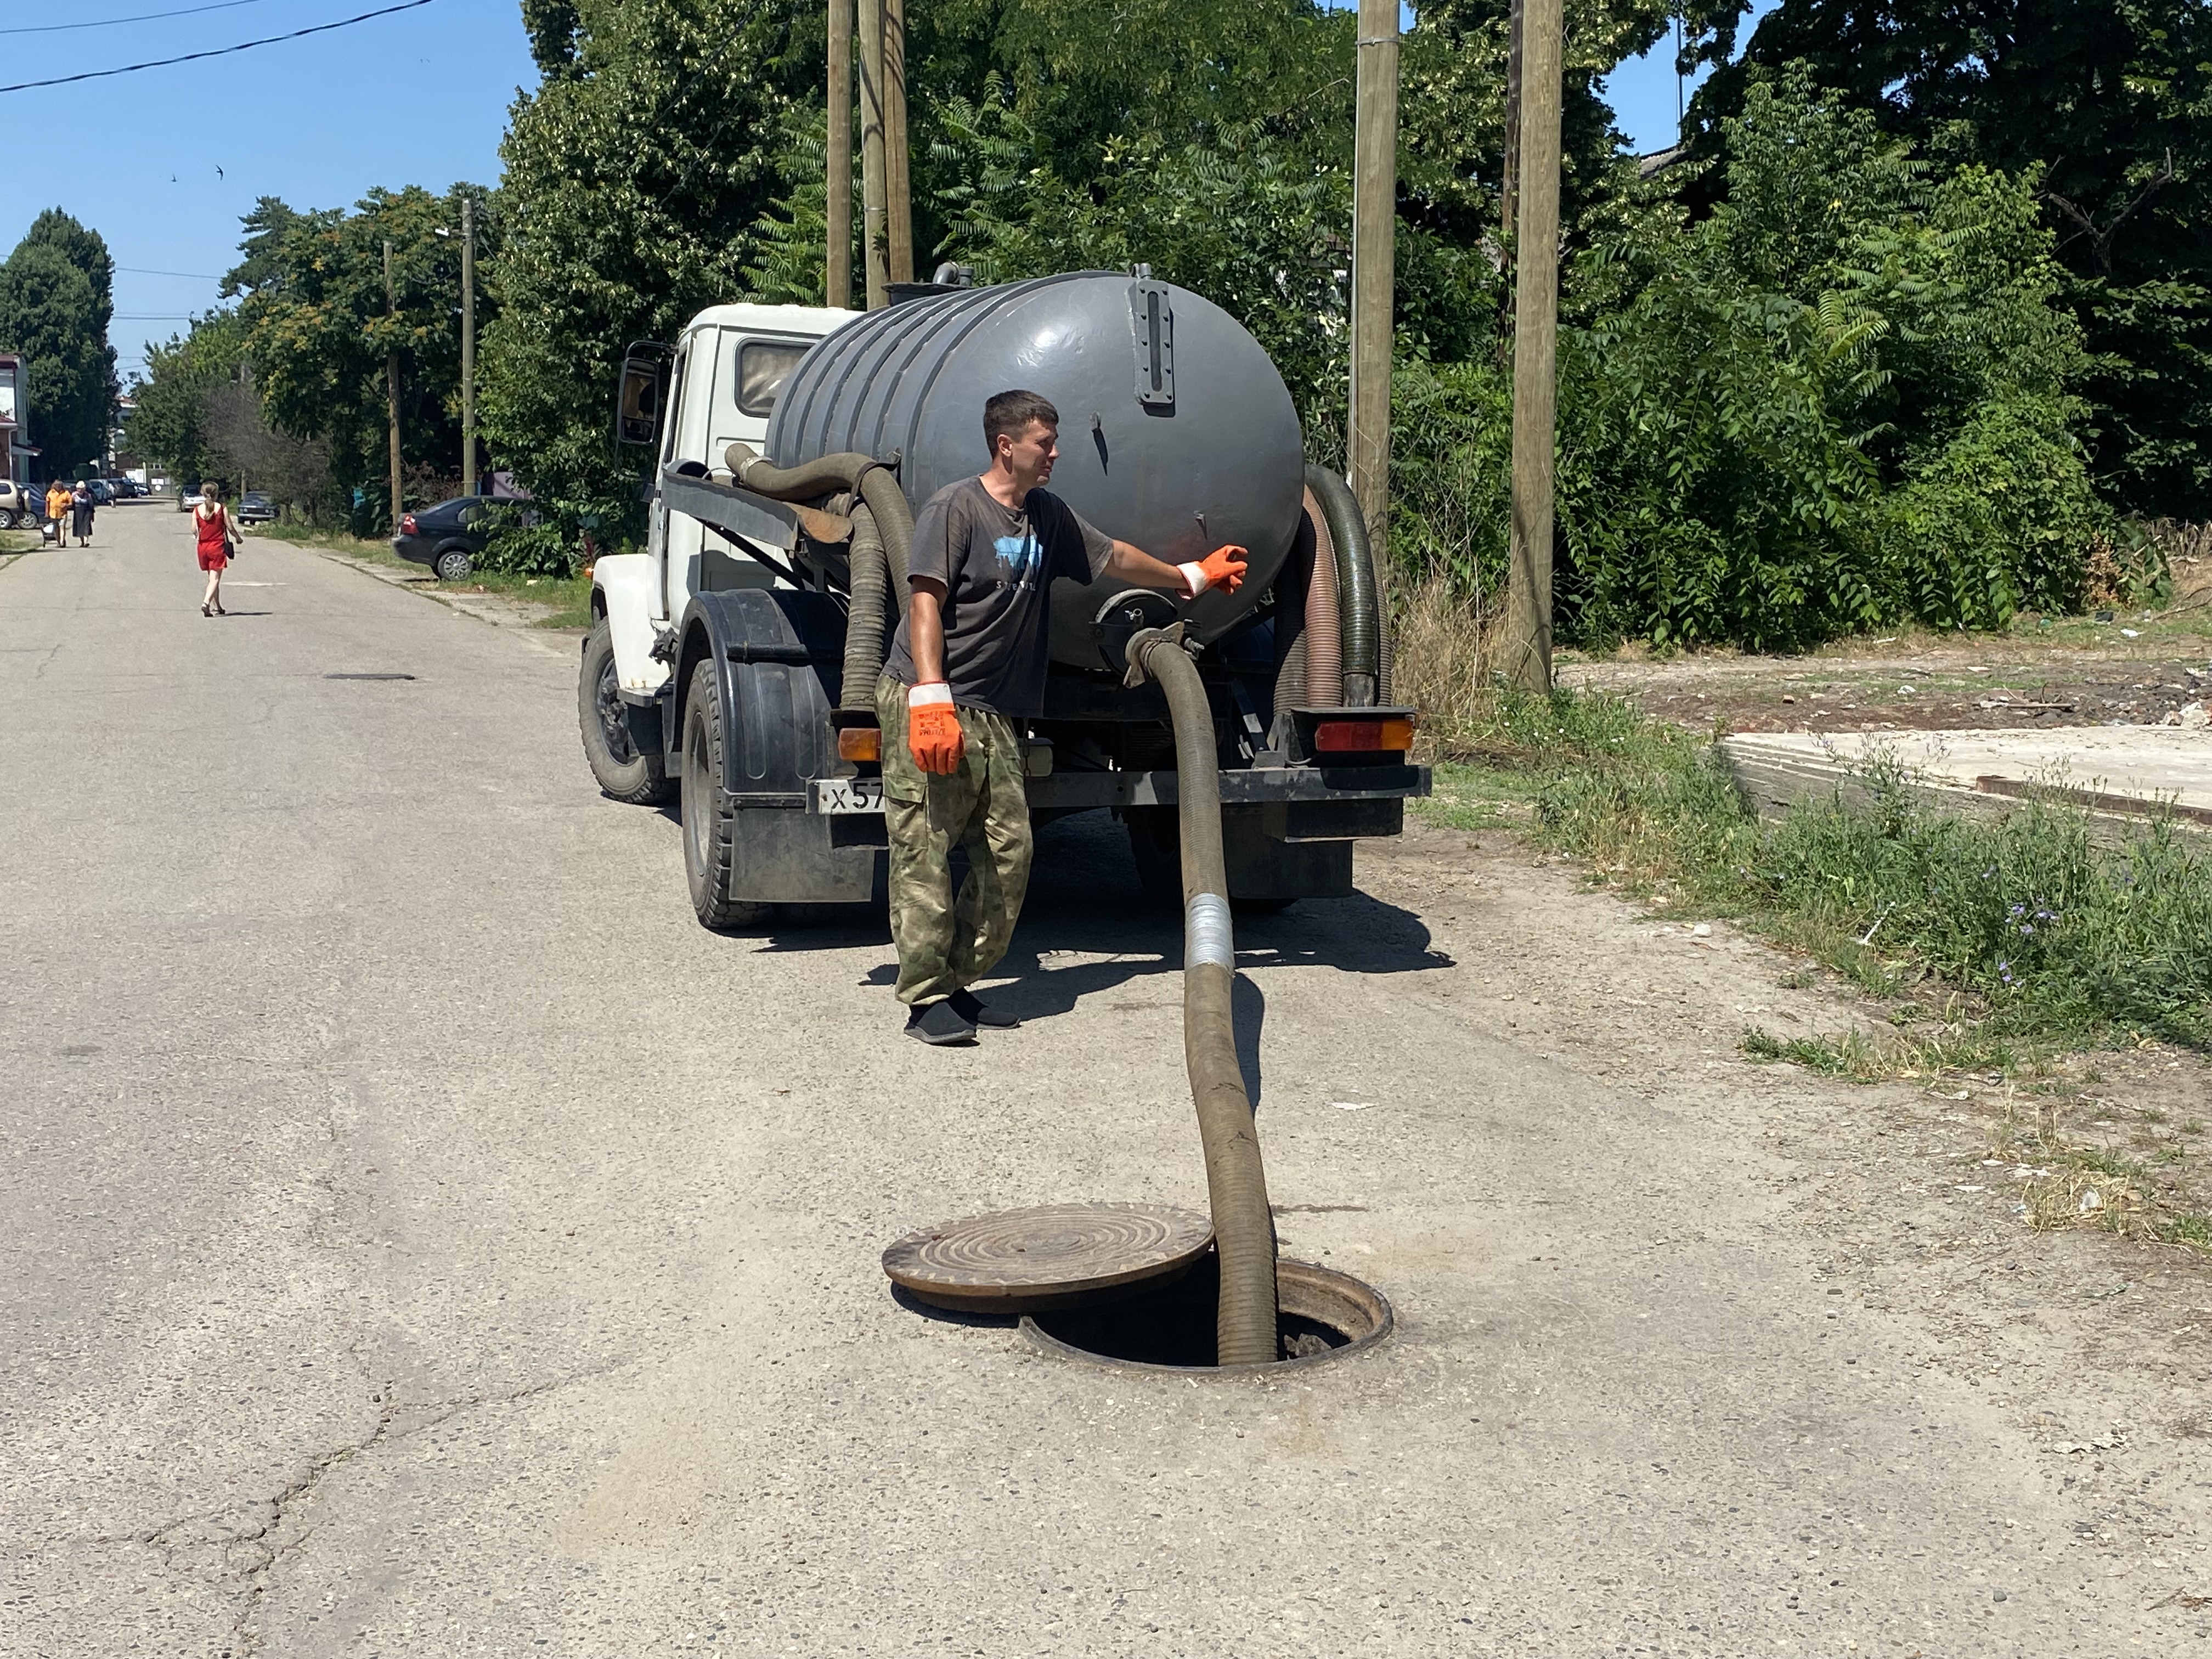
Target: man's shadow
(1084,900)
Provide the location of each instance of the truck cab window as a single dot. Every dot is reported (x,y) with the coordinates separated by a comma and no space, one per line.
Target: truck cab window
(762,367)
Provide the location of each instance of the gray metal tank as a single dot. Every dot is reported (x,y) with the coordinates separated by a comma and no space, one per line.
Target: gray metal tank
(1176,433)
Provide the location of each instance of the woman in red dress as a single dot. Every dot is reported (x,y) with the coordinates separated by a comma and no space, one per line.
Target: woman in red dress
(218,533)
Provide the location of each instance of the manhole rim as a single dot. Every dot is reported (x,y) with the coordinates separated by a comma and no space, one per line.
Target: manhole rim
(1328,1279)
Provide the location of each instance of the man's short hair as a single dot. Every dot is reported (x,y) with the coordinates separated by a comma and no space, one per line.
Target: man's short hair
(1011,412)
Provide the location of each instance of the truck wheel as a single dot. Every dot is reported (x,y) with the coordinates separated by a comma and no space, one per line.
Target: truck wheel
(707,830)
(622,771)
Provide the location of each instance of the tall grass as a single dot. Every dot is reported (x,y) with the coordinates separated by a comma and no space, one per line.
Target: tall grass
(2052,938)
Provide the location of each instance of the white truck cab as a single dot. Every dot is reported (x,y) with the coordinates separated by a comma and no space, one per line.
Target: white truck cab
(723,377)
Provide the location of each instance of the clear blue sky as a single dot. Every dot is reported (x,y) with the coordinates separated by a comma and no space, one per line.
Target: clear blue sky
(163,162)
(419,98)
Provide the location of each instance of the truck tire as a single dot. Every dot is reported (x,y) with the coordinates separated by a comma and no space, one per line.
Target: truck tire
(707,828)
(622,771)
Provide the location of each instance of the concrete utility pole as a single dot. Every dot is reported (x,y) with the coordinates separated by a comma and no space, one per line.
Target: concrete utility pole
(898,228)
(1374,251)
(391,394)
(874,248)
(468,347)
(1527,662)
(838,270)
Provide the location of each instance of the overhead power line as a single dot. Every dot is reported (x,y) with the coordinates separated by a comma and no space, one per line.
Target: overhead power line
(216,52)
(197,276)
(143,17)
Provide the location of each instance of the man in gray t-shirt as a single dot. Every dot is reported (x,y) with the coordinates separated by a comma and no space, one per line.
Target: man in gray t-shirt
(967,664)
(996,565)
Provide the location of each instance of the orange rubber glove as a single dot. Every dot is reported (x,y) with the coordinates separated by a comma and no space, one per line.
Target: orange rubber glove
(933,729)
(1222,568)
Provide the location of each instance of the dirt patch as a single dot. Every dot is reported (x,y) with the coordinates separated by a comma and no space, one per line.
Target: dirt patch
(2089,1338)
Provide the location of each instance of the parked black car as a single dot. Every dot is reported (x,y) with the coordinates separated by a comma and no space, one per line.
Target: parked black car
(254,508)
(443,536)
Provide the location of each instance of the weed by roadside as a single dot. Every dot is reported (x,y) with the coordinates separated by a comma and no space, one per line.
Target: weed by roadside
(568,599)
(2041,939)
(2003,946)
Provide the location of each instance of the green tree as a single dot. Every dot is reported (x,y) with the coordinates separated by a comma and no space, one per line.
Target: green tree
(169,421)
(1843,399)
(318,332)
(56,302)
(635,175)
(2110,102)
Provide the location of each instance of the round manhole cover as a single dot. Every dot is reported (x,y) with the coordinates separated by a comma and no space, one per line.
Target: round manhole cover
(1055,1255)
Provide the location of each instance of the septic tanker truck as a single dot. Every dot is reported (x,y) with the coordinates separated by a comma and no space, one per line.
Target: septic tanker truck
(732,664)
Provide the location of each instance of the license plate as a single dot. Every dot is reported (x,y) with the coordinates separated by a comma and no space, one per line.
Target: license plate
(842,795)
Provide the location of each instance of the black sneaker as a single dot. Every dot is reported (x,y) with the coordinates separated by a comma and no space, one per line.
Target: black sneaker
(976,1012)
(938,1025)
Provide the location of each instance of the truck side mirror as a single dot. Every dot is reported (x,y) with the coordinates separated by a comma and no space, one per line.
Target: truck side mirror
(644,390)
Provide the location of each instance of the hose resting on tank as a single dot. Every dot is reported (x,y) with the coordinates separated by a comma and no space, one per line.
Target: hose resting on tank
(871,479)
(1236,1183)
(1358,595)
(868,580)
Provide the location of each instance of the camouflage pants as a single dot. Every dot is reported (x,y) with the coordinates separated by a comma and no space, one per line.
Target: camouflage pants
(945,944)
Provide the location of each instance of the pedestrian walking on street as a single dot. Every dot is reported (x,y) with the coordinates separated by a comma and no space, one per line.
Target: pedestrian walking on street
(59,503)
(218,534)
(81,506)
(965,671)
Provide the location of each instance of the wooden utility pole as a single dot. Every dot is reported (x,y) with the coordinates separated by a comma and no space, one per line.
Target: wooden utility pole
(898,223)
(837,160)
(874,246)
(468,347)
(1527,662)
(391,391)
(1373,249)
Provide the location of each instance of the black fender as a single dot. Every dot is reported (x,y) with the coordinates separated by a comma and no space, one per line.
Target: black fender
(779,656)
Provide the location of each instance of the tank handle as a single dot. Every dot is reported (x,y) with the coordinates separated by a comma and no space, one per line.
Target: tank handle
(1152,320)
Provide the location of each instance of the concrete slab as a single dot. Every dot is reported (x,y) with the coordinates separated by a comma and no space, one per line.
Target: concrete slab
(2123,774)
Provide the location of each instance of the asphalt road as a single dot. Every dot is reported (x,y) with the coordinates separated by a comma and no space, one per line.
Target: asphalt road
(424,1239)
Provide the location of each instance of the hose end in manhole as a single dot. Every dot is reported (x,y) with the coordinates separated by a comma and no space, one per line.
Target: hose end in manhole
(1322,1315)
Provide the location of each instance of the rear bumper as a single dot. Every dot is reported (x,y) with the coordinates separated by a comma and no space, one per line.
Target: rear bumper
(415,549)
(1258,786)
(1353,790)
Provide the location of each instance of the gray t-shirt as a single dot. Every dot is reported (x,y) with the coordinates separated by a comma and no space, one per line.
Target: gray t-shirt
(997,565)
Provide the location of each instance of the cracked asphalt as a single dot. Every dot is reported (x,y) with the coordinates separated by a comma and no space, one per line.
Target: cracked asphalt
(424,1239)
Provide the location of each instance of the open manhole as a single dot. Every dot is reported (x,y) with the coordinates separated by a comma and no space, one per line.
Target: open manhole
(368,677)
(1322,1315)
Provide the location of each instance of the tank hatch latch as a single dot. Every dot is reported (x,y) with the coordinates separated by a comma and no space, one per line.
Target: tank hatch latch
(1152,320)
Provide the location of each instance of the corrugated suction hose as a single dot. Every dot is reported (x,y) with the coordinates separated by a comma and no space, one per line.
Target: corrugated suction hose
(1324,686)
(1236,1182)
(871,480)
(1358,594)
(868,580)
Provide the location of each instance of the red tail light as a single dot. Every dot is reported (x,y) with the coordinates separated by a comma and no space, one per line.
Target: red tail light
(1357,736)
(407,524)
